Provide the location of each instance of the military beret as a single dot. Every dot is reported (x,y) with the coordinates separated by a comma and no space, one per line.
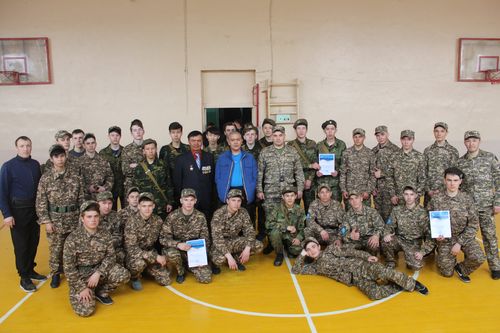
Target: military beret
(289,189)
(234,193)
(358,131)
(381,129)
(115,129)
(472,134)
(329,122)
(148,142)
(56,150)
(279,128)
(106,195)
(322,186)
(309,240)
(268,121)
(132,189)
(188,192)
(89,203)
(441,124)
(299,122)
(407,133)
(146,196)
(61,134)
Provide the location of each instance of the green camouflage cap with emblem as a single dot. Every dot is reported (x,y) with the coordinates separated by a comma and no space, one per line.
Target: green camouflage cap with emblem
(279,128)
(329,122)
(381,129)
(407,134)
(133,189)
(86,204)
(61,134)
(472,134)
(299,122)
(234,193)
(146,196)
(188,192)
(148,142)
(268,121)
(358,131)
(309,240)
(441,124)
(106,195)
(289,189)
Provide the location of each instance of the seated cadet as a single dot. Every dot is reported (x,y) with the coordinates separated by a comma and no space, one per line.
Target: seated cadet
(407,230)
(124,214)
(141,233)
(285,226)
(90,263)
(109,220)
(183,224)
(233,235)
(362,225)
(354,268)
(325,217)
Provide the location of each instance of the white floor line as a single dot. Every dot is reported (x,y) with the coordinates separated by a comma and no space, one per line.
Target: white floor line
(24,299)
(301,297)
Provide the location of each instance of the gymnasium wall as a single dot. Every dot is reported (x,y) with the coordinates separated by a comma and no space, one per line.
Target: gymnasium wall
(362,63)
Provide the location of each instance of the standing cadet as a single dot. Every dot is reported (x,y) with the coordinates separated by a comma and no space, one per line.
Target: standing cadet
(141,233)
(482,182)
(407,230)
(357,169)
(267,130)
(233,235)
(60,193)
(96,171)
(77,139)
(331,145)
(214,147)
(109,220)
(132,154)
(152,175)
(184,224)
(384,153)
(90,263)
(227,128)
(306,148)
(63,138)
(438,157)
(464,225)
(324,218)
(112,153)
(354,268)
(285,226)
(124,214)
(19,179)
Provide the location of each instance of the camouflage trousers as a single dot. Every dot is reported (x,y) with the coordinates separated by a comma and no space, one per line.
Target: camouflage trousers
(235,247)
(281,241)
(120,256)
(366,280)
(178,259)
(107,283)
(446,261)
(56,244)
(489,234)
(136,266)
(332,233)
(382,202)
(390,251)
(362,244)
(270,202)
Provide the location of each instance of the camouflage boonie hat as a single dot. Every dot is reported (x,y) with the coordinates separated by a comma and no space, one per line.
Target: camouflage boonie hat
(381,129)
(56,150)
(289,189)
(329,122)
(299,122)
(407,133)
(268,121)
(86,204)
(233,193)
(133,189)
(106,195)
(148,142)
(279,128)
(441,124)
(146,196)
(358,131)
(309,240)
(472,134)
(61,134)
(188,192)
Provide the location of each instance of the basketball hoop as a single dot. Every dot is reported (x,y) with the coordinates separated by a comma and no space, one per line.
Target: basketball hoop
(493,76)
(9,77)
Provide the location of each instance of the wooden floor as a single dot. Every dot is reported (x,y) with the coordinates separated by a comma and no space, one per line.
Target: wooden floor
(261,299)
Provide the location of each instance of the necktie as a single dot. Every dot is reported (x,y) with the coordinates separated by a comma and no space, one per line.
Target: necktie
(198,160)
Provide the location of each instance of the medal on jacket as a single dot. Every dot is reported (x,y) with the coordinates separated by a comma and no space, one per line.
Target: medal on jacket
(191,168)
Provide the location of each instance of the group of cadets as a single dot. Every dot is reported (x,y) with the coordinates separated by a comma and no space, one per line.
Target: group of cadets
(235,191)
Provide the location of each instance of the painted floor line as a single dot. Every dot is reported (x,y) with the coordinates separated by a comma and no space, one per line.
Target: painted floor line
(21,302)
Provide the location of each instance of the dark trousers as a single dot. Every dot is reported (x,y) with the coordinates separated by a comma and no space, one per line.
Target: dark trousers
(25,237)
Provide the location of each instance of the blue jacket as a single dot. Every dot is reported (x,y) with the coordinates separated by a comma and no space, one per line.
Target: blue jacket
(224,168)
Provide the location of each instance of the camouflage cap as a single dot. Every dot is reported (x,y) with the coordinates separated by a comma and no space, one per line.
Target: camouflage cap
(407,133)
(148,142)
(381,129)
(250,127)
(133,189)
(86,204)
(56,150)
(279,128)
(324,185)
(472,134)
(358,131)
(115,129)
(309,240)
(299,122)
(61,134)
(106,195)
(354,192)
(268,121)
(441,124)
(188,192)
(329,122)
(234,193)
(146,196)
(289,189)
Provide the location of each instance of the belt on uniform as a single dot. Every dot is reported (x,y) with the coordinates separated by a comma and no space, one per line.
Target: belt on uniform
(63,209)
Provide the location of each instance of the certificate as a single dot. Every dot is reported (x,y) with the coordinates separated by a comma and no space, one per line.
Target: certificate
(197,254)
(440,223)
(326,164)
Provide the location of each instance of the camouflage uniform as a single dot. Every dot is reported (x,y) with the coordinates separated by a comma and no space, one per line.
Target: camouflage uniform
(255,151)
(308,155)
(115,161)
(260,217)
(125,214)
(115,226)
(226,231)
(140,237)
(216,152)
(58,200)
(408,169)
(95,171)
(85,254)
(280,218)
(338,148)
(327,217)
(368,222)
(179,228)
(384,188)
(437,159)
(352,268)
(263,143)
(464,225)
(168,154)
(71,163)
(132,153)
(411,234)
(482,182)
(356,171)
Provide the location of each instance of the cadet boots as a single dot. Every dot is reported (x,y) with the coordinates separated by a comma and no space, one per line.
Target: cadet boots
(56,280)
(241,267)
(180,278)
(279,259)
(136,284)
(495,275)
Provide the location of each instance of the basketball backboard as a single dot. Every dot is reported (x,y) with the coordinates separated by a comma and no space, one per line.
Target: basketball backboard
(476,57)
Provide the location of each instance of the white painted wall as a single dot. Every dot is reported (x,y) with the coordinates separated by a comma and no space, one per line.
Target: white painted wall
(362,63)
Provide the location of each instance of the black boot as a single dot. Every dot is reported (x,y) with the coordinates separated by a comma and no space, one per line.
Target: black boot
(279,259)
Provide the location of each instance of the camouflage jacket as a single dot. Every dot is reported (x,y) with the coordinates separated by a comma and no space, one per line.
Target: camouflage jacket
(72,162)
(179,228)
(408,170)
(114,225)
(281,217)
(368,222)
(125,214)
(84,254)
(463,214)
(216,153)
(140,237)
(482,178)
(96,171)
(263,143)
(225,227)
(357,170)
(255,151)
(325,217)
(132,153)
(436,160)
(338,148)
(383,161)
(115,161)
(168,154)
(58,199)
(308,155)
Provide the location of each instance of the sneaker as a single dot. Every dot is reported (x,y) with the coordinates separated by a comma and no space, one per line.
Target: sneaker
(241,267)
(106,300)
(268,249)
(421,288)
(215,270)
(56,280)
(37,277)
(279,259)
(27,285)
(461,275)
(180,278)
(495,275)
(136,284)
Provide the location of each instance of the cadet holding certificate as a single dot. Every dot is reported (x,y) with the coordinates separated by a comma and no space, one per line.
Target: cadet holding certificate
(440,223)
(327,164)
(197,254)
